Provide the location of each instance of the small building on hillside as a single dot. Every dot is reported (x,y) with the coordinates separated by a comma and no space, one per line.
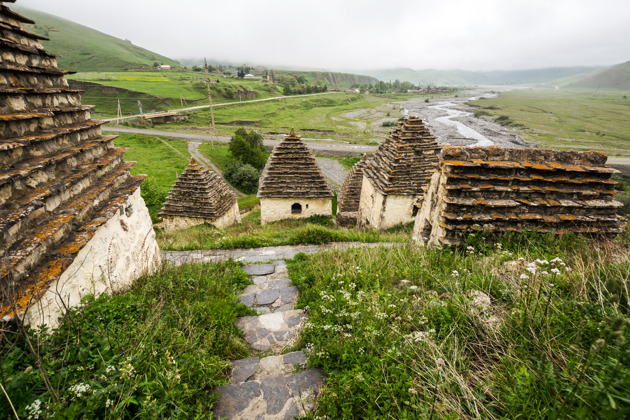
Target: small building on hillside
(165,67)
(292,184)
(503,190)
(199,196)
(350,195)
(394,178)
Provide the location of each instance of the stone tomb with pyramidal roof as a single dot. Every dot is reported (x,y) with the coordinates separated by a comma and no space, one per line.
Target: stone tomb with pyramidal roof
(72,221)
(350,195)
(394,179)
(515,190)
(292,184)
(199,196)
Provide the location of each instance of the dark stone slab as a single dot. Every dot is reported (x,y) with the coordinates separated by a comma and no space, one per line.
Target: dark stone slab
(295,320)
(267,297)
(283,335)
(235,398)
(275,393)
(292,412)
(279,284)
(259,269)
(295,358)
(289,293)
(285,308)
(248,299)
(251,337)
(305,380)
(244,369)
(262,332)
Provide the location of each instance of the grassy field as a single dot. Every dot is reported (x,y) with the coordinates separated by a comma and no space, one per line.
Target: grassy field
(525,327)
(173,88)
(161,159)
(347,117)
(156,351)
(251,234)
(565,119)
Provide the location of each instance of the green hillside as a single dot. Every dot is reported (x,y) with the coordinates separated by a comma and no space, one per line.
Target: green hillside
(615,77)
(332,79)
(86,49)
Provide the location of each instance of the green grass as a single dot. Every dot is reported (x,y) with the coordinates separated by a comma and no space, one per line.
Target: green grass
(160,162)
(339,116)
(163,90)
(459,333)
(251,234)
(219,154)
(85,49)
(347,161)
(565,119)
(156,351)
(248,202)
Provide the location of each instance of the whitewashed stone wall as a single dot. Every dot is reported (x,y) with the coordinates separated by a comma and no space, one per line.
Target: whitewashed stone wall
(382,212)
(273,209)
(121,250)
(230,218)
(428,220)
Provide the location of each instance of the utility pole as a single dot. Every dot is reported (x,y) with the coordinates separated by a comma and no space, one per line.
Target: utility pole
(213,130)
(118,114)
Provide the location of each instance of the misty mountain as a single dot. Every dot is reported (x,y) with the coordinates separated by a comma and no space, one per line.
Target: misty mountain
(468,78)
(614,77)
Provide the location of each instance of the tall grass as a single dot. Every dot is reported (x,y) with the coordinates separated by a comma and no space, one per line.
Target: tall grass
(251,234)
(158,350)
(527,327)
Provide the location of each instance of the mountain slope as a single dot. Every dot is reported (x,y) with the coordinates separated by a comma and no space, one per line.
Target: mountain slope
(615,77)
(467,78)
(86,49)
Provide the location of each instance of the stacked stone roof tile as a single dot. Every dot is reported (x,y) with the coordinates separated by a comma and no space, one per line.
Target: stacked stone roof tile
(405,161)
(293,172)
(60,179)
(199,193)
(515,190)
(350,194)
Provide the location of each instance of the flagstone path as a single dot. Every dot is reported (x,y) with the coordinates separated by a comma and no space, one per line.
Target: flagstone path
(276,385)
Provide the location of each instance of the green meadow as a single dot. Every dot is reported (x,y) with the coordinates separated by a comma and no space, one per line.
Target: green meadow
(564,119)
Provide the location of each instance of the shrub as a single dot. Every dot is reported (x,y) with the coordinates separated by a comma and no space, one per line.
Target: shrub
(243,176)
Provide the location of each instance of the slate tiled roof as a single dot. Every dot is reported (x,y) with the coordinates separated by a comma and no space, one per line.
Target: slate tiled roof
(60,178)
(515,190)
(198,193)
(293,172)
(350,194)
(404,162)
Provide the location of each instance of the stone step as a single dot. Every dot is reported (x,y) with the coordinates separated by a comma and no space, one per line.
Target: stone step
(271,398)
(21,214)
(271,291)
(256,368)
(274,331)
(31,288)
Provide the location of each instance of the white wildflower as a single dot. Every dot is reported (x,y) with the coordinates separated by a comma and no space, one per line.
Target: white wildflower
(412,391)
(524,276)
(34,409)
(79,389)
(454,273)
(555,271)
(413,287)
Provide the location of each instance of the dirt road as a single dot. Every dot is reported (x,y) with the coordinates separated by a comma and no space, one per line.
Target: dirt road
(341,148)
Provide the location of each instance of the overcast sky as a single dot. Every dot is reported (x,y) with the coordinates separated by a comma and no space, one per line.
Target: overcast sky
(367,34)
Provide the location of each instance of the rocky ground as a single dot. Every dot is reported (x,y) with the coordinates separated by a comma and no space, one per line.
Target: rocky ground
(432,111)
